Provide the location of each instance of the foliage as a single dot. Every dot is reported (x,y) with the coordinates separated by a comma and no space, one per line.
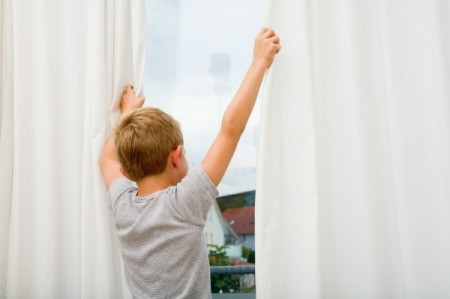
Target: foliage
(222,283)
(218,256)
(251,289)
(246,252)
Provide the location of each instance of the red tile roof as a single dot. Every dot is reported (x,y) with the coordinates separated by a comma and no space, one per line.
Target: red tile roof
(242,220)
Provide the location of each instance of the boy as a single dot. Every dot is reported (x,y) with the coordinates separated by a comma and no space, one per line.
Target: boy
(160,223)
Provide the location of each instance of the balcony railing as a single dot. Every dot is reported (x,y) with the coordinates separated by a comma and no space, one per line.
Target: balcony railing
(233,270)
(229,270)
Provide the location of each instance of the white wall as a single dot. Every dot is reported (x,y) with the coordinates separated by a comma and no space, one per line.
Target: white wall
(214,231)
(249,241)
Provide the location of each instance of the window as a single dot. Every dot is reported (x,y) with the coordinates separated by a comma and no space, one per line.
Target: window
(197,54)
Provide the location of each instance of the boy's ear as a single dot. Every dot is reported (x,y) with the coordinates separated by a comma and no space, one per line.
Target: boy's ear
(176,156)
(123,172)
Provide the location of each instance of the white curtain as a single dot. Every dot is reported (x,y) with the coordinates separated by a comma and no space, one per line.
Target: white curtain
(353,190)
(64,66)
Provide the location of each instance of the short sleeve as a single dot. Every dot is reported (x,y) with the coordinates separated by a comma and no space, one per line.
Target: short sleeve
(117,190)
(195,195)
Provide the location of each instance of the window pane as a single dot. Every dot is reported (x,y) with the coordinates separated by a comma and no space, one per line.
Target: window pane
(197,54)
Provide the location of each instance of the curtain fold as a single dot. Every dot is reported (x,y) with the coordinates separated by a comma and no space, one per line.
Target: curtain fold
(353,184)
(6,141)
(64,65)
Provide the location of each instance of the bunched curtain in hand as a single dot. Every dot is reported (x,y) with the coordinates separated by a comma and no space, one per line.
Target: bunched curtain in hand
(64,66)
(353,196)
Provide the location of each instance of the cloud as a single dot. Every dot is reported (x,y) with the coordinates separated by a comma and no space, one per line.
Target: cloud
(197,54)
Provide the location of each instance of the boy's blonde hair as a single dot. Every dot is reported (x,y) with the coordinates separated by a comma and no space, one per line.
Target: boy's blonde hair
(144,140)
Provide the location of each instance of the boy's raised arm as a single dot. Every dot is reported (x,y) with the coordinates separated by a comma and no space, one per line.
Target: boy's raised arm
(109,162)
(216,161)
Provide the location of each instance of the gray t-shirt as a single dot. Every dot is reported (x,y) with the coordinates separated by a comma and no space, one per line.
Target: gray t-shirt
(161,237)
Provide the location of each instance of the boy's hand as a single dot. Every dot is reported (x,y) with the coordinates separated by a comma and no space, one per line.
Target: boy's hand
(267,44)
(235,118)
(130,101)
(109,162)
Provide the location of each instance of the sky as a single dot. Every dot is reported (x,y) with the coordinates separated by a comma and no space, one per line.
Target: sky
(198,52)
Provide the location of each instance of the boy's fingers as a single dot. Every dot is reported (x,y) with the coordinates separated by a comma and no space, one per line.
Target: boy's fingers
(274,39)
(264,29)
(269,33)
(278,49)
(129,89)
(140,101)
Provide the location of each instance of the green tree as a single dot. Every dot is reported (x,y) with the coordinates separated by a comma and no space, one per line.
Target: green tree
(246,252)
(222,283)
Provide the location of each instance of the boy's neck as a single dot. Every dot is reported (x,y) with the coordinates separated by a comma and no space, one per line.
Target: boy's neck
(152,184)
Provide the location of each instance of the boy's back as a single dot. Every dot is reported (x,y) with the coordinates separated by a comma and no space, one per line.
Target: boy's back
(161,230)
(161,237)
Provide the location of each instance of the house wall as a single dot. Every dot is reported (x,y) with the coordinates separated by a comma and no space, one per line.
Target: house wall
(234,251)
(214,231)
(249,241)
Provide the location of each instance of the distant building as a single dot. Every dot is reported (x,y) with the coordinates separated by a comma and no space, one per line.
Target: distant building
(243,199)
(217,231)
(242,221)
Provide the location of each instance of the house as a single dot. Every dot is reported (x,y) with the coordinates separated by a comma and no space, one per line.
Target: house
(244,199)
(242,221)
(217,231)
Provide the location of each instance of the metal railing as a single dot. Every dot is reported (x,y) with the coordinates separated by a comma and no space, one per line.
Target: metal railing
(233,270)
(230,270)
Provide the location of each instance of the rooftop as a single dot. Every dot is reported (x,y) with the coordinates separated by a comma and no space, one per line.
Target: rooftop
(242,219)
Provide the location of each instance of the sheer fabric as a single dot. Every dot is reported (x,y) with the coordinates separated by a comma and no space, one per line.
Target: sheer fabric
(64,66)
(353,197)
